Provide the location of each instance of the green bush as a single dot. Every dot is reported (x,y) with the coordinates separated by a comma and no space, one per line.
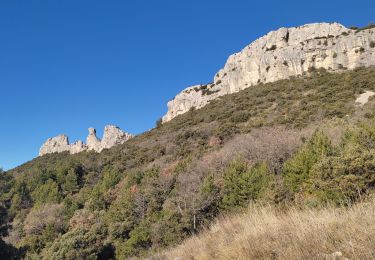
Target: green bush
(243,183)
(140,240)
(6,182)
(342,179)
(226,130)
(296,170)
(121,216)
(320,173)
(46,193)
(240,117)
(78,244)
(110,178)
(71,184)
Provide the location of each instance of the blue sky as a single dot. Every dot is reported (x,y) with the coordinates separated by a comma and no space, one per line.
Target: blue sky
(68,65)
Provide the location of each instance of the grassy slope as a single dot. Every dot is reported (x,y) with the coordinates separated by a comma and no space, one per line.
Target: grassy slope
(266,233)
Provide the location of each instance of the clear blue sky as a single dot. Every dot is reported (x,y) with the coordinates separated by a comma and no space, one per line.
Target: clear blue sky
(68,65)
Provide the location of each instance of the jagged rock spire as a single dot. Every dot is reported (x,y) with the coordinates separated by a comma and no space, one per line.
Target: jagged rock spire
(113,135)
(93,142)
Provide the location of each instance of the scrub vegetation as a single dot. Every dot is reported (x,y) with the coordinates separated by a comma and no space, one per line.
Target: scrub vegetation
(293,149)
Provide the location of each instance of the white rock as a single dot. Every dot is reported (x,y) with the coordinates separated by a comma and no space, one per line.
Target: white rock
(77,147)
(279,55)
(56,144)
(113,135)
(93,142)
(363,98)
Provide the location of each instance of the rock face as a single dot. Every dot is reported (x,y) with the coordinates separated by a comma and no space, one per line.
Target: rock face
(113,135)
(56,144)
(93,142)
(279,55)
(77,147)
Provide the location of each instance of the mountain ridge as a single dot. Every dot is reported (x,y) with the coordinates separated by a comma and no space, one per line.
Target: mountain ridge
(282,54)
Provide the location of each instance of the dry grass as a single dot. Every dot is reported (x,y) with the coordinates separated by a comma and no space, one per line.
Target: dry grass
(267,233)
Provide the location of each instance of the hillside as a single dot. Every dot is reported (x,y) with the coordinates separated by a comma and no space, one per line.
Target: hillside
(301,142)
(269,233)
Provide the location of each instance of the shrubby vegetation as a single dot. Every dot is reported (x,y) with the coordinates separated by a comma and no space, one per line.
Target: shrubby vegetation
(6,251)
(367,27)
(243,183)
(261,145)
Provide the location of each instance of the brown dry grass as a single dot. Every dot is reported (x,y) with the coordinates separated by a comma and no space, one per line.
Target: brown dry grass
(267,233)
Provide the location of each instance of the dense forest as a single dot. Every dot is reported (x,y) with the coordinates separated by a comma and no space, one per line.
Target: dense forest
(301,142)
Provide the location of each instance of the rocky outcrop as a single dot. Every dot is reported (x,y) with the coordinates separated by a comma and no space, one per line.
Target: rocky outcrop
(279,55)
(93,142)
(56,144)
(77,147)
(113,135)
(364,97)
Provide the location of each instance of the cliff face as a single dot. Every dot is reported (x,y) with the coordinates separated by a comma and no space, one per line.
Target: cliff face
(113,135)
(56,144)
(279,55)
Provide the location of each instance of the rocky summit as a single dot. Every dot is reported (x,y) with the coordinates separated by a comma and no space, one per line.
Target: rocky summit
(282,54)
(113,135)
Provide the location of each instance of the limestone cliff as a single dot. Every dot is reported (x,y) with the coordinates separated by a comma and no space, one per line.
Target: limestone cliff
(55,144)
(113,135)
(279,55)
